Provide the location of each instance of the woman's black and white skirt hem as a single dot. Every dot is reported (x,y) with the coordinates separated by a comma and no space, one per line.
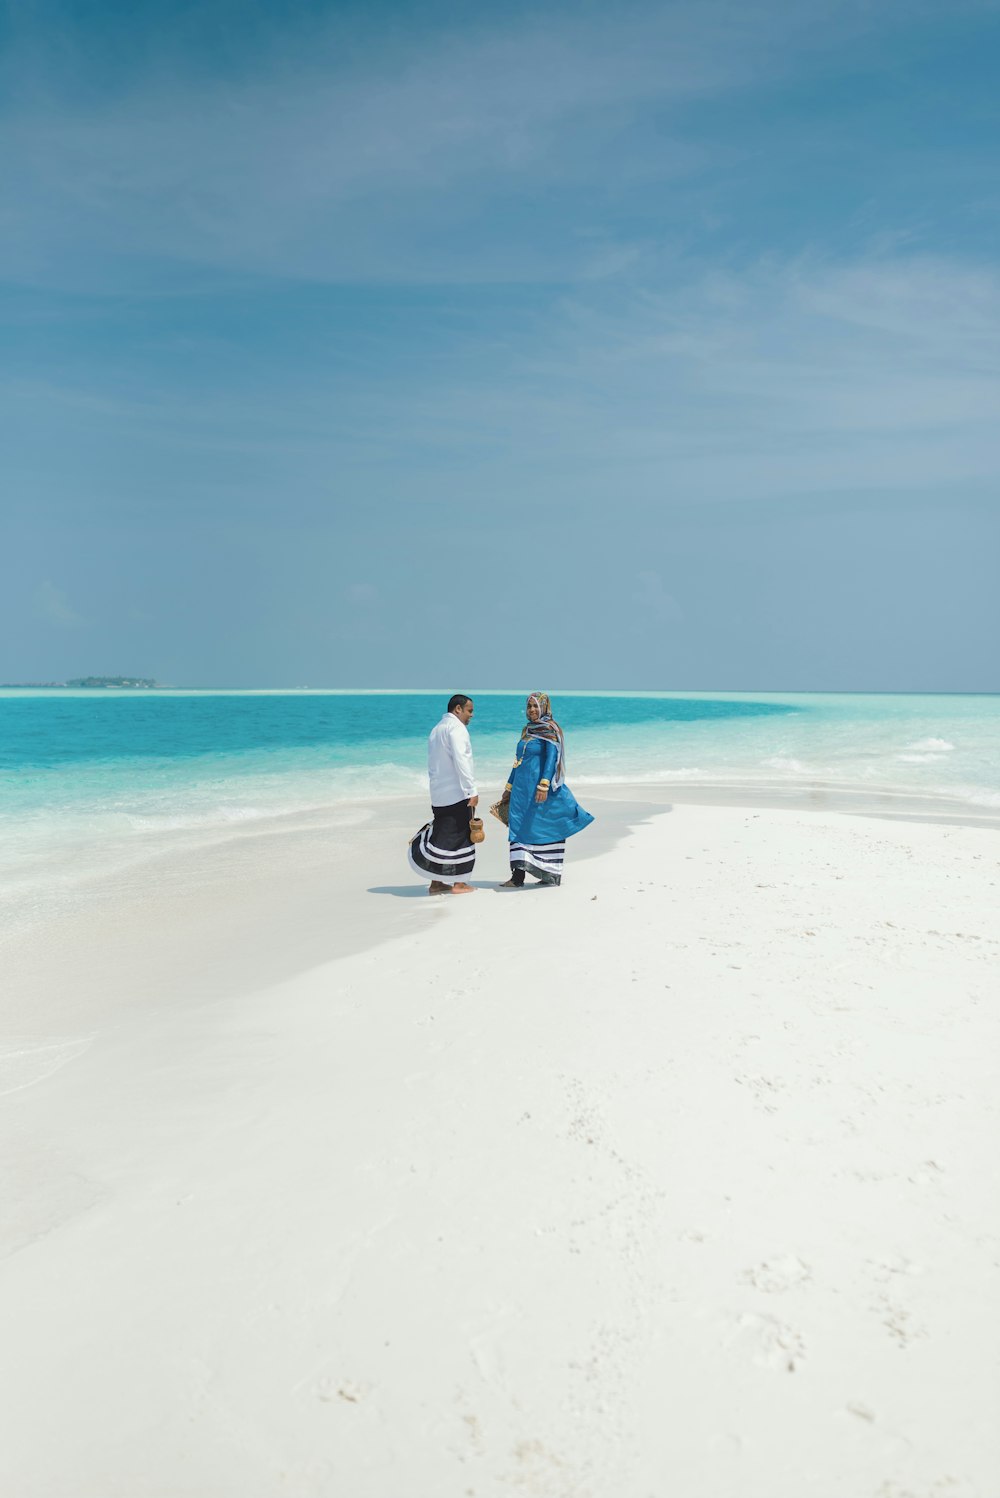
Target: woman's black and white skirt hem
(441,850)
(543,860)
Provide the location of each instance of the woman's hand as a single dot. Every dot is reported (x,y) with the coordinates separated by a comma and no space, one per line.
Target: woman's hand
(541,794)
(505,797)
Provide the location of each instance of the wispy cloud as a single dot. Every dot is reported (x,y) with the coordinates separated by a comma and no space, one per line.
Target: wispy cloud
(803,375)
(460,155)
(791,378)
(344,299)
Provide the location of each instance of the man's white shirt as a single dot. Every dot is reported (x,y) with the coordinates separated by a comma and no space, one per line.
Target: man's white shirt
(449,762)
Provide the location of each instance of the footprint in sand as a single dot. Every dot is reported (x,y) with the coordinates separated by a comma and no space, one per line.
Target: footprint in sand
(890,1265)
(767,1342)
(775,1275)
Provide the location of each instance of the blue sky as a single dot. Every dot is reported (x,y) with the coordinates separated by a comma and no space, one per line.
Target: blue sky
(652,347)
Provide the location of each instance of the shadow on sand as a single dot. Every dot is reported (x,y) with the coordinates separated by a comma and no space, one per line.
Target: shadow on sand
(419,891)
(411,891)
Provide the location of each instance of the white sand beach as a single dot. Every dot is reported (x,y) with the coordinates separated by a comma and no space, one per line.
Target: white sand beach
(677,1180)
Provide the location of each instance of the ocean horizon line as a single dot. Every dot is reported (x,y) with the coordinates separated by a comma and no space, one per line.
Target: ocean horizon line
(653,692)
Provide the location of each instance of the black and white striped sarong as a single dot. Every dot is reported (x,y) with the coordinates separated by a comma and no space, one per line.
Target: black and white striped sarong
(539,858)
(441,850)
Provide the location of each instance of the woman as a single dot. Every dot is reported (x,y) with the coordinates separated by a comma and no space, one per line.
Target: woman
(542,810)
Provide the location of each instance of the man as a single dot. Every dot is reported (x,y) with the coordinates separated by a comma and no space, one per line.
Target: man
(443,851)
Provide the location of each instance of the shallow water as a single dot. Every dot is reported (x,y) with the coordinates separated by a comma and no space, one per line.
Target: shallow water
(98,779)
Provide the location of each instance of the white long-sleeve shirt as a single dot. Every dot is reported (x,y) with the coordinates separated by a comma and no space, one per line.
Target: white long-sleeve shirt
(449,762)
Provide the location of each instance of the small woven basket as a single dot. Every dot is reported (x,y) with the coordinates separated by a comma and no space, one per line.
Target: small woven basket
(501,810)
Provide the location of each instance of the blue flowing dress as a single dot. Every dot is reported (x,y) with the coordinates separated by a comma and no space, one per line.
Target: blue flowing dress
(538,830)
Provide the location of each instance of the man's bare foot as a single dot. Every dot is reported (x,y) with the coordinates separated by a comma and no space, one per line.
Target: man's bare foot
(437,888)
(463,889)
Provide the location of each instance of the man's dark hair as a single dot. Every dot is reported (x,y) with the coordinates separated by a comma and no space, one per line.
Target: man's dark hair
(459,700)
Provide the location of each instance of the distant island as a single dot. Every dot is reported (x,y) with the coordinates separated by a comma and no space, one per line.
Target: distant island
(97,683)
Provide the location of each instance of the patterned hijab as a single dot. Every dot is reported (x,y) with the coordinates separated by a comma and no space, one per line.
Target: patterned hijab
(546,728)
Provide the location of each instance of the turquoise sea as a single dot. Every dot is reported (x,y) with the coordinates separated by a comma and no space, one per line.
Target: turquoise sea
(94,777)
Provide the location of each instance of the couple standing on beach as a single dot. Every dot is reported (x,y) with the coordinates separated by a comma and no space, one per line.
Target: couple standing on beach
(537,805)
